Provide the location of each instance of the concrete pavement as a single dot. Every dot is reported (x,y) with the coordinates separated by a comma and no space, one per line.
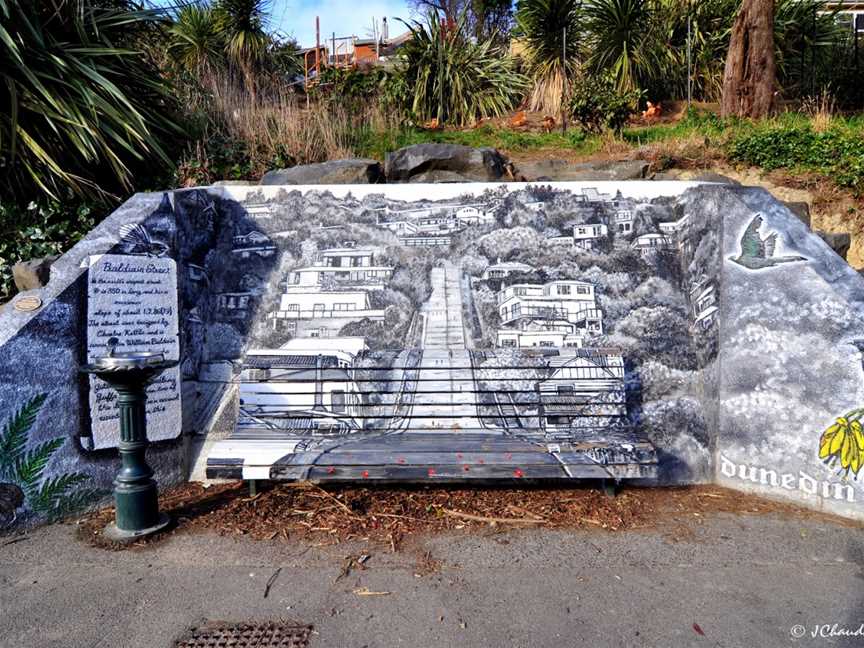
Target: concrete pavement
(744,580)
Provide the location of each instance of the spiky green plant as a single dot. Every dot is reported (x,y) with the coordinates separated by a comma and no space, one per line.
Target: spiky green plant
(550,32)
(625,40)
(196,42)
(80,106)
(454,78)
(25,468)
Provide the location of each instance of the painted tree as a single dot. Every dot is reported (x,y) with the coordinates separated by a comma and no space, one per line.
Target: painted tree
(750,74)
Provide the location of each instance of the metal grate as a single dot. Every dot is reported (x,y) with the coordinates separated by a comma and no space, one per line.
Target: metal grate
(269,634)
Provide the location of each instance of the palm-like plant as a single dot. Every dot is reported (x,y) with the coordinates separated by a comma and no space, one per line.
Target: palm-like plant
(79,104)
(625,41)
(196,42)
(454,79)
(542,27)
(243,25)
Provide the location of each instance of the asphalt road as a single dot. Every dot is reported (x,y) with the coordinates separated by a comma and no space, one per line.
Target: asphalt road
(745,581)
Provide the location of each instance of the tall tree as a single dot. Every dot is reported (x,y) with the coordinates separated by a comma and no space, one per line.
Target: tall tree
(750,75)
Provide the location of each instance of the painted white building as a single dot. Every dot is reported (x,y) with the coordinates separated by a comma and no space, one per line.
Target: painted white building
(588,236)
(622,220)
(253,243)
(560,241)
(584,387)
(500,270)
(345,349)
(530,333)
(573,301)
(705,306)
(300,302)
(368,277)
(592,195)
(674,228)
(349,257)
(298,392)
(474,215)
(652,243)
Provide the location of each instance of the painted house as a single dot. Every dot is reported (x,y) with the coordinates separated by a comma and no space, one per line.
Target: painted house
(588,237)
(705,305)
(654,242)
(349,257)
(298,393)
(474,215)
(369,278)
(504,269)
(252,243)
(529,333)
(622,220)
(560,241)
(585,389)
(344,349)
(573,301)
(301,302)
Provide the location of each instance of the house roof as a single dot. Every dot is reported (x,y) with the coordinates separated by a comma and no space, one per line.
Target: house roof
(285,361)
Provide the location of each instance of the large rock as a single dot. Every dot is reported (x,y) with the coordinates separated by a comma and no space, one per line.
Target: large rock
(444,162)
(355,171)
(562,170)
(801,209)
(32,274)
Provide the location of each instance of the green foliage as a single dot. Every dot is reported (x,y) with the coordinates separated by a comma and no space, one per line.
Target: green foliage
(243,26)
(627,41)
(543,26)
(40,229)
(196,42)
(49,496)
(599,104)
(455,79)
(82,108)
(837,152)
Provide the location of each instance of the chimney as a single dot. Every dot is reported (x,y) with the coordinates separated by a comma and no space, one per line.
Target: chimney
(319,385)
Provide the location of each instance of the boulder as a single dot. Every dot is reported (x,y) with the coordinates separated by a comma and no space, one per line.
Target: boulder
(839,242)
(32,274)
(800,209)
(562,170)
(449,162)
(354,171)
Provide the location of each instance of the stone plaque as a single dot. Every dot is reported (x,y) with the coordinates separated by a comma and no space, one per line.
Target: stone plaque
(134,299)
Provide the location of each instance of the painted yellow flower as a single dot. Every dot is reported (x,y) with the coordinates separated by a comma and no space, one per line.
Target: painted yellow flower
(844,441)
(832,438)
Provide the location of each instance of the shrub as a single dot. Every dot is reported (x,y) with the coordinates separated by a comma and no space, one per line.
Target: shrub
(455,79)
(837,152)
(597,104)
(41,229)
(82,107)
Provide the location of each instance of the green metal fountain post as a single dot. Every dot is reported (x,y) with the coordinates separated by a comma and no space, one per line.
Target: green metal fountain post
(135,493)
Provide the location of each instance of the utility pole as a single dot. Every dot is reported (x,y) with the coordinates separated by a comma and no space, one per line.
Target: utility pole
(564,89)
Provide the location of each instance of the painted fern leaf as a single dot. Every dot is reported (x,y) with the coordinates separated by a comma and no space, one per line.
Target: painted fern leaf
(29,468)
(13,438)
(52,498)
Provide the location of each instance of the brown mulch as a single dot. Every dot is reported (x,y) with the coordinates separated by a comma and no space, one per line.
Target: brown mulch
(390,515)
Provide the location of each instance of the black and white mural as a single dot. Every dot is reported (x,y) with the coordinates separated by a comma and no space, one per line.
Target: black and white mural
(513,331)
(663,332)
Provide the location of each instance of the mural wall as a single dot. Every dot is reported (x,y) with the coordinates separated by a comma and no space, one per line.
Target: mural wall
(661,331)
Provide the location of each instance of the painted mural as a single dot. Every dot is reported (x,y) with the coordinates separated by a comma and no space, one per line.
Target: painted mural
(536,331)
(672,332)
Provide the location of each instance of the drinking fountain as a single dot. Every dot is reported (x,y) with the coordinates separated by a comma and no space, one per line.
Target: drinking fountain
(135,494)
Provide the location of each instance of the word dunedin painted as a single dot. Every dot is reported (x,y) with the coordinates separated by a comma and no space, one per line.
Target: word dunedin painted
(790,481)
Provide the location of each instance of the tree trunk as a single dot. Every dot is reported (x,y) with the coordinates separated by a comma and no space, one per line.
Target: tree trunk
(750,74)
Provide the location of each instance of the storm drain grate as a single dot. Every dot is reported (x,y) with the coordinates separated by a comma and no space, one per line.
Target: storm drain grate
(270,634)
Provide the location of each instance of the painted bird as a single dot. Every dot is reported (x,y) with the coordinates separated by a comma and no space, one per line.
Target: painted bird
(135,239)
(758,253)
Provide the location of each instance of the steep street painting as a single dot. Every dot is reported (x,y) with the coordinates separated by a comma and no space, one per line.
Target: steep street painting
(535,332)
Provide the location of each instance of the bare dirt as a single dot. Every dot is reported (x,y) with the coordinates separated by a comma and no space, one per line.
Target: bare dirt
(390,516)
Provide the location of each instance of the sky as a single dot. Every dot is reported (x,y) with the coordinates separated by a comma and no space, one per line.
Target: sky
(296,18)
(345,17)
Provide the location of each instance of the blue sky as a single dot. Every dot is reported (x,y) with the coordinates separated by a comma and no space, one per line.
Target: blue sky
(345,17)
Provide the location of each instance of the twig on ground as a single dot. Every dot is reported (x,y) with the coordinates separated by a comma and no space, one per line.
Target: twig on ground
(489,520)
